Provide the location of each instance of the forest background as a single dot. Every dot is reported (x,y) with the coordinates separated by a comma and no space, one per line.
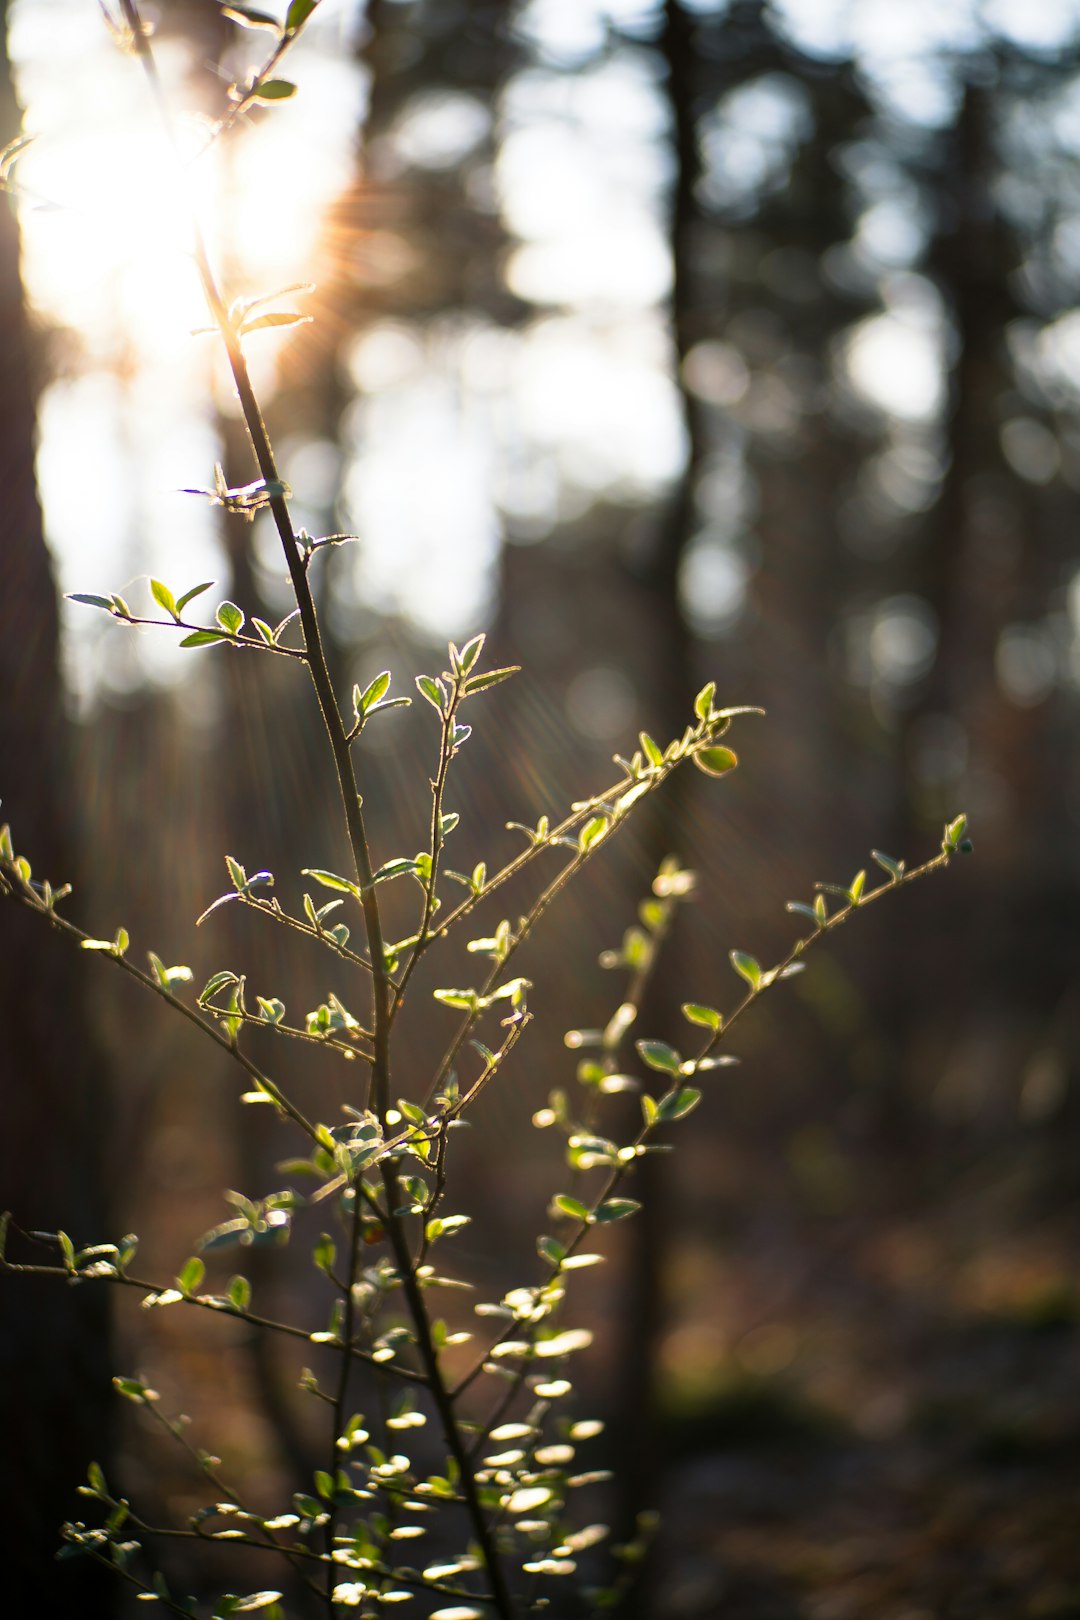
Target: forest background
(667,342)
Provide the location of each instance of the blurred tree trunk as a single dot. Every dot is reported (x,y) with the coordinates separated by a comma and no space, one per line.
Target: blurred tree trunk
(672,685)
(55,1397)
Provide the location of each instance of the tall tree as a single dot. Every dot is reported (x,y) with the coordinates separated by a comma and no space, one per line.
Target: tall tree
(55,1397)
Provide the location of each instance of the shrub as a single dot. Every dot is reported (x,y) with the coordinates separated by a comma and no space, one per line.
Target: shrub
(502,1468)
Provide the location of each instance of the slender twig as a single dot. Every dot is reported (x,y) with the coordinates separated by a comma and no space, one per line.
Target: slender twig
(618,1172)
(124,1279)
(24,892)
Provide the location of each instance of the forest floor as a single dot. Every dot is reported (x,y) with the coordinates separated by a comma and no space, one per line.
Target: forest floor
(938,1478)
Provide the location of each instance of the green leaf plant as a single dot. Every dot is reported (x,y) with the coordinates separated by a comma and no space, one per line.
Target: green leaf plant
(381,1178)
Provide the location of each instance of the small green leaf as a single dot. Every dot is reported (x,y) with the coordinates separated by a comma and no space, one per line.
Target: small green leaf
(372,693)
(256,1600)
(97,1479)
(298,13)
(649,1109)
(679,1103)
(659,1055)
(189,596)
(330,880)
(491,677)
(433,690)
(471,651)
(707,1017)
(230,617)
(201,638)
(652,750)
(715,761)
(398,867)
(133,1390)
(264,631)
(570,1206)
(239,1293)
(467,1000)
(274,90)
(954,833)
(324,1484)
(858,884)
(895,869)
(615,1209)
(90,601)
(704,701)
(190,1275)
(164,597)
(748,968)
(324,1253)
(551,1250)
(216,982)
(592,832)
(821,910)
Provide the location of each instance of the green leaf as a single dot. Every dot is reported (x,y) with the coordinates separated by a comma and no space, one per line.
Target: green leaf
(592,832)
(164,597)
(133,1390)
(615,1209)
(704,701)
(748,967)
(366,699)
(821,910)
(90,601)
(330,880)
(264,631)
(551,1250)
(201,638)
(858,884)
(471,651)
(189,596)
(649,1109)
(707,1017)
(715,761)
(570,1206)
(448,822)
(467,1000)
(216,982)
(191,1275)
(274,90)
(256,1600)
(491,677)
(230,617)
(239,1293)
(433,690)
(679,1103)
(659,1055)
(298,13)
(324,1484)
(652,750)
(324,1253)
(398,867)
(97,1478)
(954,833)
(895,869)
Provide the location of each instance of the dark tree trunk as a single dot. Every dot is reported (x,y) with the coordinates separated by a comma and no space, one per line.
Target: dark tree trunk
(54,1348)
